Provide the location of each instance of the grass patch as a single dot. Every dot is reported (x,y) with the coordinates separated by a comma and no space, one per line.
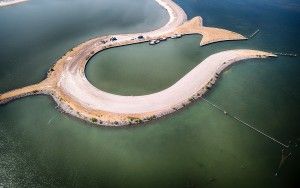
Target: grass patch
(94,120)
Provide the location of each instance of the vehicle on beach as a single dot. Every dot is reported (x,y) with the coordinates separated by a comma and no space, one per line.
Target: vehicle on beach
(113,39)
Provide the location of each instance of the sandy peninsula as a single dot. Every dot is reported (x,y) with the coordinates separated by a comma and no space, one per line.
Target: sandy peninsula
(67,84)
(4,3)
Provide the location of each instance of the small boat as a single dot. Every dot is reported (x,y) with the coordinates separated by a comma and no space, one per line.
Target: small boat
(152,42)
(176,36)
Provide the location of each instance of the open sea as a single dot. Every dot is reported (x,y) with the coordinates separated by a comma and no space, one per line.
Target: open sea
(196,147)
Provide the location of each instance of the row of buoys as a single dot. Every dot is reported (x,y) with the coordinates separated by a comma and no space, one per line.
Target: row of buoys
(286,54)
(253,34)
(286,150)
(244,123)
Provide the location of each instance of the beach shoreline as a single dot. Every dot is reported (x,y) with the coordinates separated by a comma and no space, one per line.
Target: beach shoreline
(67,84)
(130,110)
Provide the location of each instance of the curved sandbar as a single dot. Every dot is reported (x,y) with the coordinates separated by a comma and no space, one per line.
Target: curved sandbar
(4,3)
(110,109)
(67,84)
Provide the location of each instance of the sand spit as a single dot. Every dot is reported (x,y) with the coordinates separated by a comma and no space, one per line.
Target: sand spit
(82,99)
(4,3)
(210,34)
(67,84)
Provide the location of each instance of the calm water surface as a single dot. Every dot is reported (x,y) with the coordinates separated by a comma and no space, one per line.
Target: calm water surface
(197,147)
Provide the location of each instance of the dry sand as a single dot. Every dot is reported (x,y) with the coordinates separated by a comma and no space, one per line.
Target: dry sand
(67,84)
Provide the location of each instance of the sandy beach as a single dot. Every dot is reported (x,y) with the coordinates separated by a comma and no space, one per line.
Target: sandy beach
(131,109)
(4,3)
(67,84)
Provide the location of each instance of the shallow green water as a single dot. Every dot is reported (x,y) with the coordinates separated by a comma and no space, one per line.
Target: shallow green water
(197,147)
(143,69)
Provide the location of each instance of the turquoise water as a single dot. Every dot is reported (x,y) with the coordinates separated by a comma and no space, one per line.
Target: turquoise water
(197,147)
